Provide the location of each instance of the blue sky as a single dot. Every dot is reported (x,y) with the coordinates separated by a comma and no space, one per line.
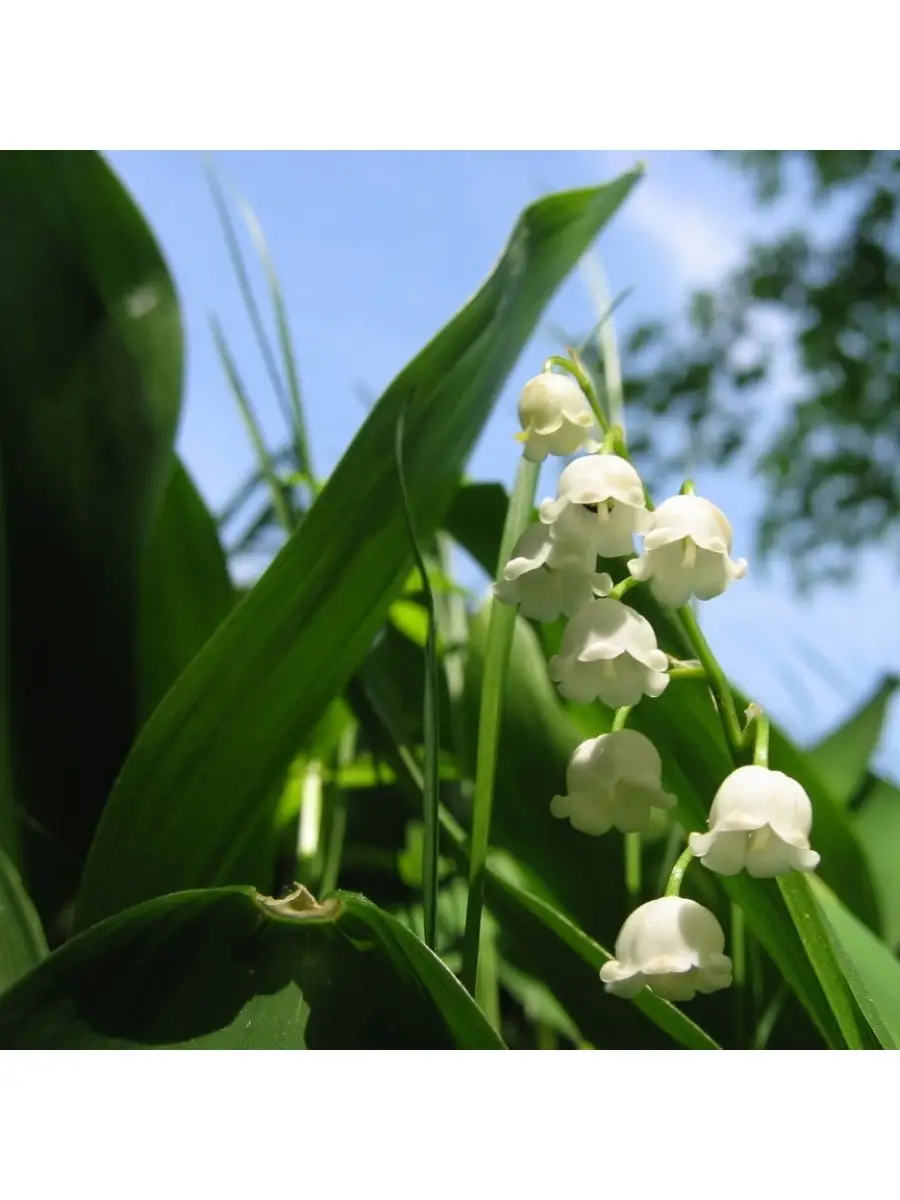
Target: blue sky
(376,251)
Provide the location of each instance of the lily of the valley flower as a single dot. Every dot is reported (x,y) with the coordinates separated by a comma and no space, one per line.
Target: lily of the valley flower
(599,506)
(673,946)
(609,652)
(687,547)
(555,417)
(545,580)
(760,820)
(613,779)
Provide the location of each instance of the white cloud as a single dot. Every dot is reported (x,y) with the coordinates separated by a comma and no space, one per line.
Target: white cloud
(699,244)
(700,240)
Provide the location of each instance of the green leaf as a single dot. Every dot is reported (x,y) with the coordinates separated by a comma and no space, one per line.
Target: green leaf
(90,381)
(186,591)
(227,730)
(877,825)
(871,969)
(475,520)
(226,969)
(842,758)
(22,941)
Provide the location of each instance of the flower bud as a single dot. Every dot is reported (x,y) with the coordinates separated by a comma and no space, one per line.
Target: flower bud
(555,417)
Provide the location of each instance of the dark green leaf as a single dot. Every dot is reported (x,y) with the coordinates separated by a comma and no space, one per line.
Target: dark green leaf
(186,590)
(90,379)
(877,825)
(225,969)
(475,520)
(22,941)
(226,732)
(842,758)
(871,969)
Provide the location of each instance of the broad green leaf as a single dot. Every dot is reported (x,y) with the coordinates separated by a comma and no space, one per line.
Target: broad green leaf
(871,969)
(877,825)
(186,590)
(224,969)
(22,941)
(90,380)
(475,520)
(228,729)
(842,758)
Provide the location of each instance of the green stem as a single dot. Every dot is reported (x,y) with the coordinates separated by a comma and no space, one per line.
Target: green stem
(584,381)
(621,717)
(687,672)
(613,441)
(338,816)
(496,657)
(687,488)
(633,865)
(673,887)
(725,707)
(761,745)
(634,862)
(430,716)
(623,586)
(739,964)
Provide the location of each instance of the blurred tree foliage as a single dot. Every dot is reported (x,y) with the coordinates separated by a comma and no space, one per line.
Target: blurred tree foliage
(812,397)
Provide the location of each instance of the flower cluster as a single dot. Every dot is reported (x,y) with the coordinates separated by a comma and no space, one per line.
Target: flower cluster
(760,819)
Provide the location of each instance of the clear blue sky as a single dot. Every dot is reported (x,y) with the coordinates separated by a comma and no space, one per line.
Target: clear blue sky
(377,251)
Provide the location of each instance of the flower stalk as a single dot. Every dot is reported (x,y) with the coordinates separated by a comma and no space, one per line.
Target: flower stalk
(501,625)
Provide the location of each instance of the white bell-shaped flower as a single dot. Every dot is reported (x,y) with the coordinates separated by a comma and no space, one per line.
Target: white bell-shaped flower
(760,820)
(555,417)
(599,506)
(545,580)
(609,652)
(613,779)
(687,548)
(671,945)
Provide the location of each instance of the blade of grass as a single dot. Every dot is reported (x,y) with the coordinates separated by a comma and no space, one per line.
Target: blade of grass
(500,634)
(430,718)
(245,490)
(592,268)
(254,431)
(285,343)
(246,290)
